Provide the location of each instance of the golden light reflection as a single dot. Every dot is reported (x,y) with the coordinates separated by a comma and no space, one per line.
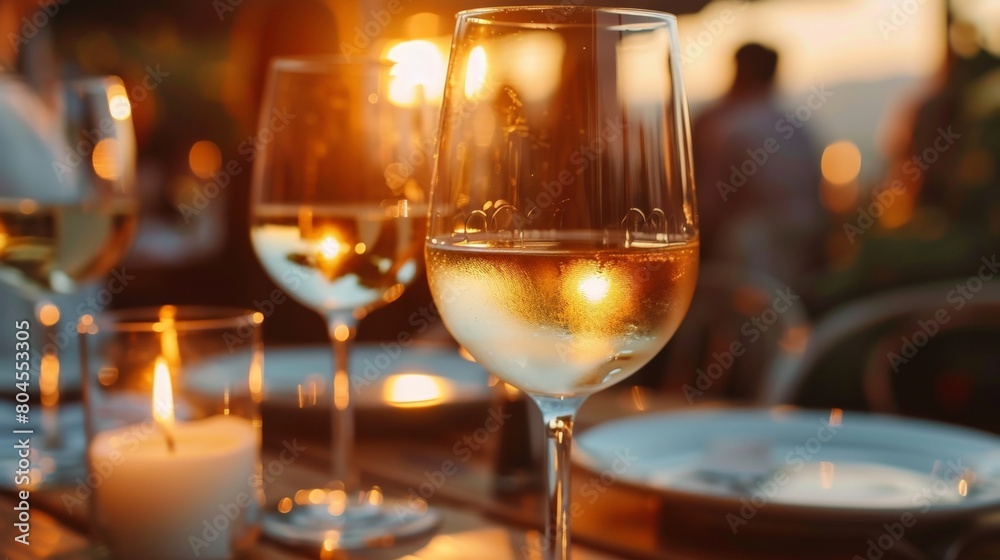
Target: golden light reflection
(330,249)
(285,505)
(118,103)
(375,496)
(836,416)
(163,398)
(169,344)
(48,380)
(841,162)
(3,238)
(336,502)
(342,333)
(963,487)
(257,379)
(48,314)
(594,287)
(105,159)
(360,248)
(418,74)
(465,354)
(511,390)
(415,390)
(639,398)
(341,391)
(205,158)
(826,473)
(476,72)
(317,496)
(27,206)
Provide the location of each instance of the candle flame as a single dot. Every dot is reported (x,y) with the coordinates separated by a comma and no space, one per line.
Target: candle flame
(163,400)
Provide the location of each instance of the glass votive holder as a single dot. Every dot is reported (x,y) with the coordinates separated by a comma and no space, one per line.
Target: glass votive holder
(172,399)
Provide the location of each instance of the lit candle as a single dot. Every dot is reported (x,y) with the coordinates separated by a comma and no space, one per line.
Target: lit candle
(188,498)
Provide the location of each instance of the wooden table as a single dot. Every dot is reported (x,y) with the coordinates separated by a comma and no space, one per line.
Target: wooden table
(486,517)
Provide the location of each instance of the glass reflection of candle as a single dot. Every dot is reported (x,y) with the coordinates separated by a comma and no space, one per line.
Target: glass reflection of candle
(329,251)
(415,390)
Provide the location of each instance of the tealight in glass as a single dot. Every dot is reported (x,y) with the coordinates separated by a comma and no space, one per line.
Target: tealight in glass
(172,411)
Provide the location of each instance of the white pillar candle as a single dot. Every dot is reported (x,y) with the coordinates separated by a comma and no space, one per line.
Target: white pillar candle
(162,503)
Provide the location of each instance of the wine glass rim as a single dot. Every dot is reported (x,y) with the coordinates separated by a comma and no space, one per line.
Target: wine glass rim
(322,62)
(475,14)
(186,318)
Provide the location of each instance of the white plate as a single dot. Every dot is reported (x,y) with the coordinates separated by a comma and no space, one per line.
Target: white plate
(795,464)
(436,375)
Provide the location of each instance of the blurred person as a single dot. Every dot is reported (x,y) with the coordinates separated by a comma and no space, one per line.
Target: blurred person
(758,177)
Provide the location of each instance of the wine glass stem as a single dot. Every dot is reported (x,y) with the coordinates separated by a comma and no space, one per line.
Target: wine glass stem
(558,415)
(344,470)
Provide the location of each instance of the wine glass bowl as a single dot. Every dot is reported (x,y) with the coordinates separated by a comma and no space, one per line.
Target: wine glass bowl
(67,217)
(562,247)
(338,220)
(75,219)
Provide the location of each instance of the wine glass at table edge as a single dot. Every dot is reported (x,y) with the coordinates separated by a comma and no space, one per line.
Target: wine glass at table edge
(562,250)
(67,216)
(338,220)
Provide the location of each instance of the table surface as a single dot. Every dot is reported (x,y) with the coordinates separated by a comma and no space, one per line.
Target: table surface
(483,517)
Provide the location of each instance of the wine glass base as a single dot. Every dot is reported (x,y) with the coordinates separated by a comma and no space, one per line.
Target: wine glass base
(356,527)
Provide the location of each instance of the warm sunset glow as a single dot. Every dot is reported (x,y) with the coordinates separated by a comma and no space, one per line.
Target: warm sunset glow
(48,380)
(205,159)
(476,72)
(418,74)
(105,159)
(163,398)
(118,103)
(411,390)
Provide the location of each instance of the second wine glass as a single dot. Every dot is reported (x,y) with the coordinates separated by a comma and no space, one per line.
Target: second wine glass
(338,219)
(563,243)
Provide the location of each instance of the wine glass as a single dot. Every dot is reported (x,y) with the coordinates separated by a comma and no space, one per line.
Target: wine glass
(562,249)
(338,220)
(67,216)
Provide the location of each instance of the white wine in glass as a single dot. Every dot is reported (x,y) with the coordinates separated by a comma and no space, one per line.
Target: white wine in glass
(338,220)
(562,250)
